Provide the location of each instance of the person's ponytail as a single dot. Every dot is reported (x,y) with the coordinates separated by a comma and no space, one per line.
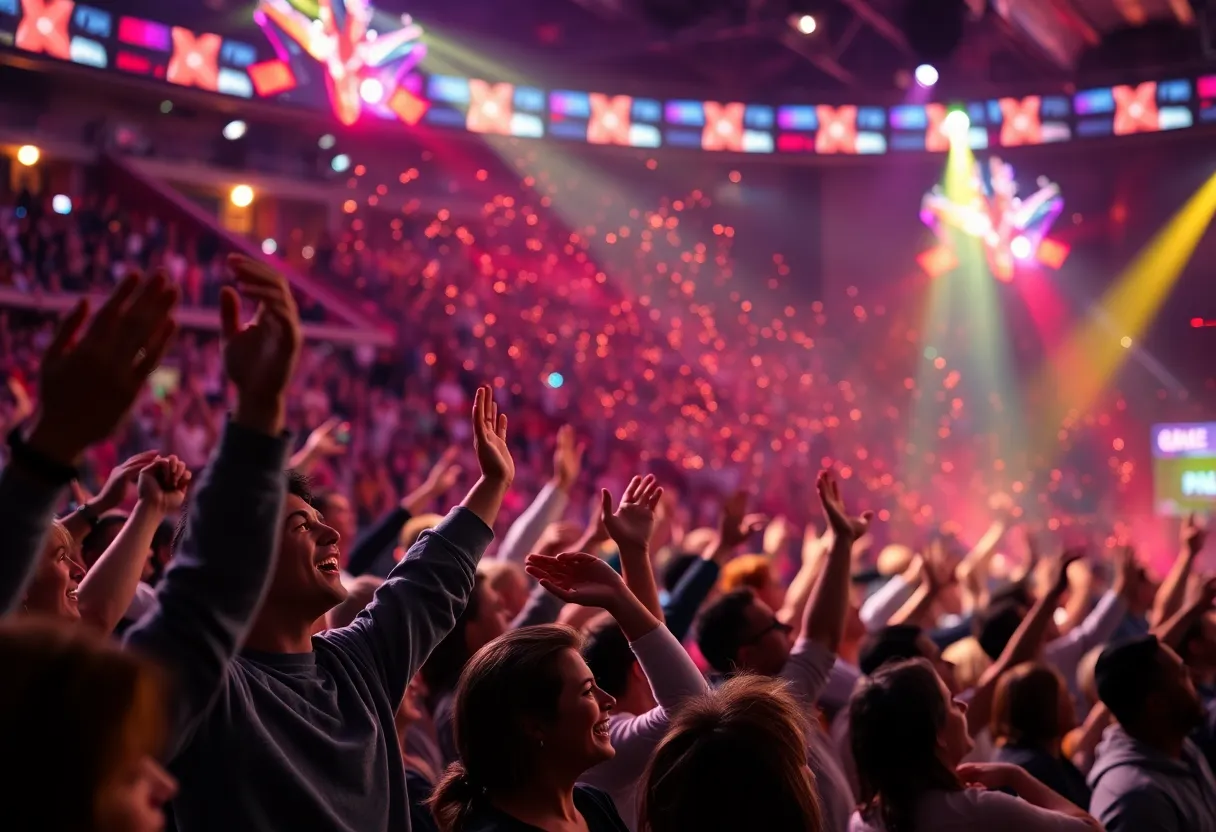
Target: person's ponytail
(453,798)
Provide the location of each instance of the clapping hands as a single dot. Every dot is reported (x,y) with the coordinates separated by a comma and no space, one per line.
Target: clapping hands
(163,484)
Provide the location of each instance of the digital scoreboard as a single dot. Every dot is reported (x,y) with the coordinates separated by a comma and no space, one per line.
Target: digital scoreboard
(1184,467)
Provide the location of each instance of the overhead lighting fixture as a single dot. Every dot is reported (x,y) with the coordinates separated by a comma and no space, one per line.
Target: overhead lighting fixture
(806,24)
(28,155)
(340,163)
(326,142)
(371,90)
(956,125)
(926,75)
(234,130)
(241,196)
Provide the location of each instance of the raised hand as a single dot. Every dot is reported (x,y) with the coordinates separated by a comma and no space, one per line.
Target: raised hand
(1193,534)
(579,578)
(163,484)
(1200,592)
(490,438)
(834,511)
(1059,569)
(567,458)
(735,526)
(633,522)
(1128,574)
(260,355)
(118,485)
(444,473)
(323,441)
(90,375)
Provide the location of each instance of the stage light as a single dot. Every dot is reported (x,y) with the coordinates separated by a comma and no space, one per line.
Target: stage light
(61,204)
(1020,247)
(269,246)
(926,75)
(1126,342)
(28,155)
(166,106)
(555,380)
(806,24)
(326,141)
(371,91)
(241,196)
(956,124)
(308,252)
(340,163)
(234,130)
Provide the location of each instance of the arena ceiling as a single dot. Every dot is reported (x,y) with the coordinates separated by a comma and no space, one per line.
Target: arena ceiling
(748,48)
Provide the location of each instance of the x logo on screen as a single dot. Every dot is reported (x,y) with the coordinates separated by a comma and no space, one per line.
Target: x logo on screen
(1136,109)
(611,118)
(723,126)
(44,28)
(1020,121)
(195,61)
(490,107)
(837,129)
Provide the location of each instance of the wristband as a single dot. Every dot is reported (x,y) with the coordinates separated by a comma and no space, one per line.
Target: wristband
(36,462)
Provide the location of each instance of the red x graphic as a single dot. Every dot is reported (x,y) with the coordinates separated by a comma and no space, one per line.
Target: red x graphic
(936,140)
(195,61)
(44,28)
(837,129)
(490,107)
(1020,121)
(723,127)
(1136,109)
(611,118)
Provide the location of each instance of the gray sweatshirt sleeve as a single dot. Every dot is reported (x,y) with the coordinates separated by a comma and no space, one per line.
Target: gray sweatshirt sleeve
(211,593)
(419,603)
(529,526)
(27,507)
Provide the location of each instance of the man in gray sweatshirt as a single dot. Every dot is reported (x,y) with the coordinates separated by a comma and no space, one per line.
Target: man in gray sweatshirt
(277,729)
(1148,775)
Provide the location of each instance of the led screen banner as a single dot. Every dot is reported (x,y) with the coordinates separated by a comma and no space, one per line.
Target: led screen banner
(347,58)
(1184,467)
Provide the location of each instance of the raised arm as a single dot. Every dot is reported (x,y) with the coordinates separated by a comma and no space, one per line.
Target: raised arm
(1170,593)
(89,379)
(385,532)
(630,527)
(211,592)
(112,495)
(814,548)
(417,606)
(107,590)
(823,621)
(550,503)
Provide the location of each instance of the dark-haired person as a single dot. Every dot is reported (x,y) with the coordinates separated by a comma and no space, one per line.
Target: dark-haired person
(530,719)
(1147,774)
(735,758)
(739,633)
(649,677)
(1032,714)
(105,363)
(72,702)
(909,737)
(275,728)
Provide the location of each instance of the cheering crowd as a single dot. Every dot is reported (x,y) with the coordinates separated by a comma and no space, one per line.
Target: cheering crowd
(236,650)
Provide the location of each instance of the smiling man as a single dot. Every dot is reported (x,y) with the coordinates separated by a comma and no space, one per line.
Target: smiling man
(274,728)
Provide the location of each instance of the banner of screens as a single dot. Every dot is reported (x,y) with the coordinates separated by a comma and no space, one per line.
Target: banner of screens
(293,60)
(1184,467)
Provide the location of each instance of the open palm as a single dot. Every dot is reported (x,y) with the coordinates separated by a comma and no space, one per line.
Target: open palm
(578,578)
(834,511)
(490,437)
(633,522)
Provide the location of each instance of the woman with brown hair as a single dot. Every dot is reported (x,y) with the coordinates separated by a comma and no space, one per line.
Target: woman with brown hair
(734,758)
(529,719)
(909,737)
(1032,713)
(77,706)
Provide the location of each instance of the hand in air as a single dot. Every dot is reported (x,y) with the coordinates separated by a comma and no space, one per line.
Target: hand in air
(567,458)
(490,438)
(118,485)
(578,578)
(735,526)
(163,484)
(834,511)
(91,374)
(632,524)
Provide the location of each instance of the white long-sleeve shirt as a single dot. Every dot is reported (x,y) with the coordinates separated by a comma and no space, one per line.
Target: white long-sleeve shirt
(547,508)
(673,678)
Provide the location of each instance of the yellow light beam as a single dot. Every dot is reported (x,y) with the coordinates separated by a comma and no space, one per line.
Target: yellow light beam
(1075,376)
